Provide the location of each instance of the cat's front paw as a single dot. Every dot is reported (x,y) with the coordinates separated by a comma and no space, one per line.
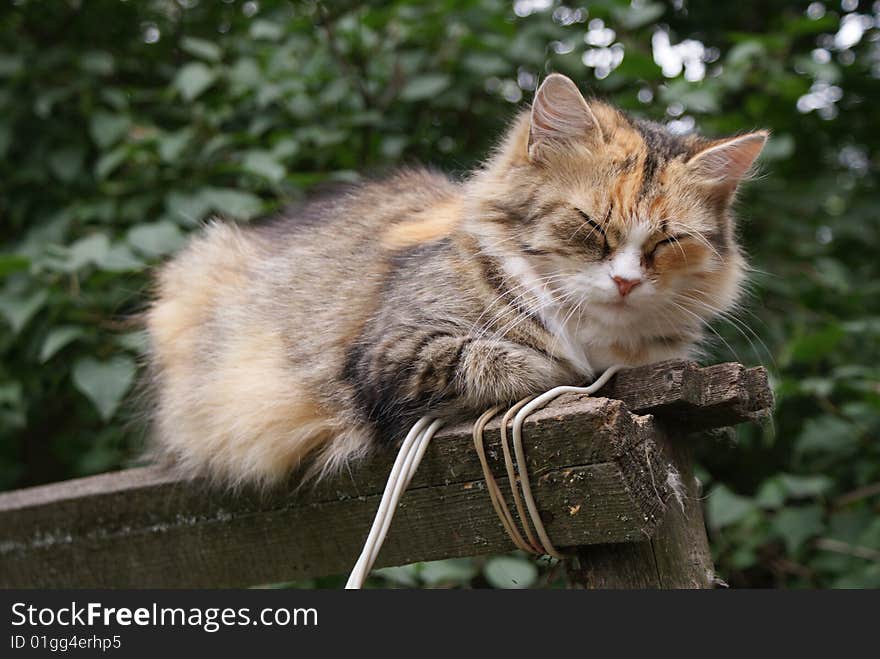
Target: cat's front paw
(495,371)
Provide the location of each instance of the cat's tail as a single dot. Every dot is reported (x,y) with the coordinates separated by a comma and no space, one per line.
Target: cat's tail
(228,403)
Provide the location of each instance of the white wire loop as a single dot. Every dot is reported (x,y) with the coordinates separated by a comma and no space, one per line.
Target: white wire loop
(413,448)
(408,459)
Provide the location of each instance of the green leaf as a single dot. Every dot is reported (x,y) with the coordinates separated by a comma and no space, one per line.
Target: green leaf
(18,310)
(97,62)
(245,74)
(771,494)
(171,145)
(10,65)
(404,575)
(87,251)
(10,263)
(110,161)
(187,208)
(115,98)
(795,525)
(12,406)
(156,239)
(264,164)
(745,52)
(487,64)
(800,487)
(815,345)
(288,147)
(636,16)
(47,99)
(393,145)
(233,203)
(104,383)
(262,29)
(510,572)
(821,71)
(67,163)
(849,525)
(57,338)
(10,393)
(107,129)
(137,341)
(201,48)
(820,387)
(833,274)
(334,92)
(193,79)
(425,86)
(694,98)
(120,258)
(775,491)
(779,147)
(827,434)
(452,571)
(724,507)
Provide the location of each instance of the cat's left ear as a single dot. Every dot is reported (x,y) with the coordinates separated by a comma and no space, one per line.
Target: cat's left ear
(560,114)
(727,162)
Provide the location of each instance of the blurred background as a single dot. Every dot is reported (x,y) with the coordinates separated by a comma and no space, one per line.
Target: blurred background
(124,124)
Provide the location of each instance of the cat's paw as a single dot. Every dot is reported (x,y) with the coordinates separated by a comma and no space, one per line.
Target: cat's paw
(502,371)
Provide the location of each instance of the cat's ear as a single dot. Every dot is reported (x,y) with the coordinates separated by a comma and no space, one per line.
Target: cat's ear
(560,114)
(727,162)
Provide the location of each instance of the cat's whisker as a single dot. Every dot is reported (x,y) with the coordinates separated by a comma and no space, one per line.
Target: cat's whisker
(509,306)
(581,226)
(739,325)
(705,323)
(556,337)
(504,333)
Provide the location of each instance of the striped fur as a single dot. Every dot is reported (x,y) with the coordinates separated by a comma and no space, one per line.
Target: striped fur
(307,341)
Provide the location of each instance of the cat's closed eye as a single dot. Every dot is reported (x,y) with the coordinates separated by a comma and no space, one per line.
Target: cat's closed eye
(597,232)
(671,241)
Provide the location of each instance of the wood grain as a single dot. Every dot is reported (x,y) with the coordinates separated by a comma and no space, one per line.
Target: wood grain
(599,472)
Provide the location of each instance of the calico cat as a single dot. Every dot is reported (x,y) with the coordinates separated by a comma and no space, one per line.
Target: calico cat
(588,238)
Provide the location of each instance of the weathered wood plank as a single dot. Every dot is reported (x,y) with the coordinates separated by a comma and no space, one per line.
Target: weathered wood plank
(140,528)
(676,556)
(694,398)
(312,539)
(599,474)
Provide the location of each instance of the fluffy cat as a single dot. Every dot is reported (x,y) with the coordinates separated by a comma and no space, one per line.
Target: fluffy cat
(589,238)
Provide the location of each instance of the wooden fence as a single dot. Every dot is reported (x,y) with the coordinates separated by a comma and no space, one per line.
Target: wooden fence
(612,477)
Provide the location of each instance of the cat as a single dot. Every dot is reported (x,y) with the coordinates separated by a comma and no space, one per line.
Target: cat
(588,238)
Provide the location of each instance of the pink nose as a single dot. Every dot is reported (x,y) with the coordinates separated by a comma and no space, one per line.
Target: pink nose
(624,286)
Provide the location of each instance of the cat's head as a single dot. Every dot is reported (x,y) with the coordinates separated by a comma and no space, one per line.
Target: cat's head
(617,215)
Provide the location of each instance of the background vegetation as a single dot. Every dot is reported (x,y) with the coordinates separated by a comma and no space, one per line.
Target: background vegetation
(124,124)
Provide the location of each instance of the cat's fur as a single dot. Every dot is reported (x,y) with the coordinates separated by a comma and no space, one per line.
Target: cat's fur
(310,338)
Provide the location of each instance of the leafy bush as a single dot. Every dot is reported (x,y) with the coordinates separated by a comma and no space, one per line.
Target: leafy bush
(125,124)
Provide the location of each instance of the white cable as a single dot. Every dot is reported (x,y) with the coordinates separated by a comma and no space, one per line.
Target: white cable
(412,450)
(413,461)
(361,568)
(518,420)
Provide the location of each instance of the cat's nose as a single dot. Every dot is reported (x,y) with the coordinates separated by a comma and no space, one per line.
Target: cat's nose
(624,286)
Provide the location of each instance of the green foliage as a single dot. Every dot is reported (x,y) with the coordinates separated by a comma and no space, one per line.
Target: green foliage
(124,125)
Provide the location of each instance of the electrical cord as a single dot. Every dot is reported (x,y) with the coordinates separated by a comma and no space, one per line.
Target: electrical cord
(413,448)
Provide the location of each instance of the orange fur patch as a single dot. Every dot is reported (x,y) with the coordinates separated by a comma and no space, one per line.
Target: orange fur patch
(431,224)
(689,253)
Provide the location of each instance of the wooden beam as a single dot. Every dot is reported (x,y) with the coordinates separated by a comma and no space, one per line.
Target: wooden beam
(694,398)
(676,556)
(598,471)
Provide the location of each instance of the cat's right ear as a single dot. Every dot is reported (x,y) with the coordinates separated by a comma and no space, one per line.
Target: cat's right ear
(560,114)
